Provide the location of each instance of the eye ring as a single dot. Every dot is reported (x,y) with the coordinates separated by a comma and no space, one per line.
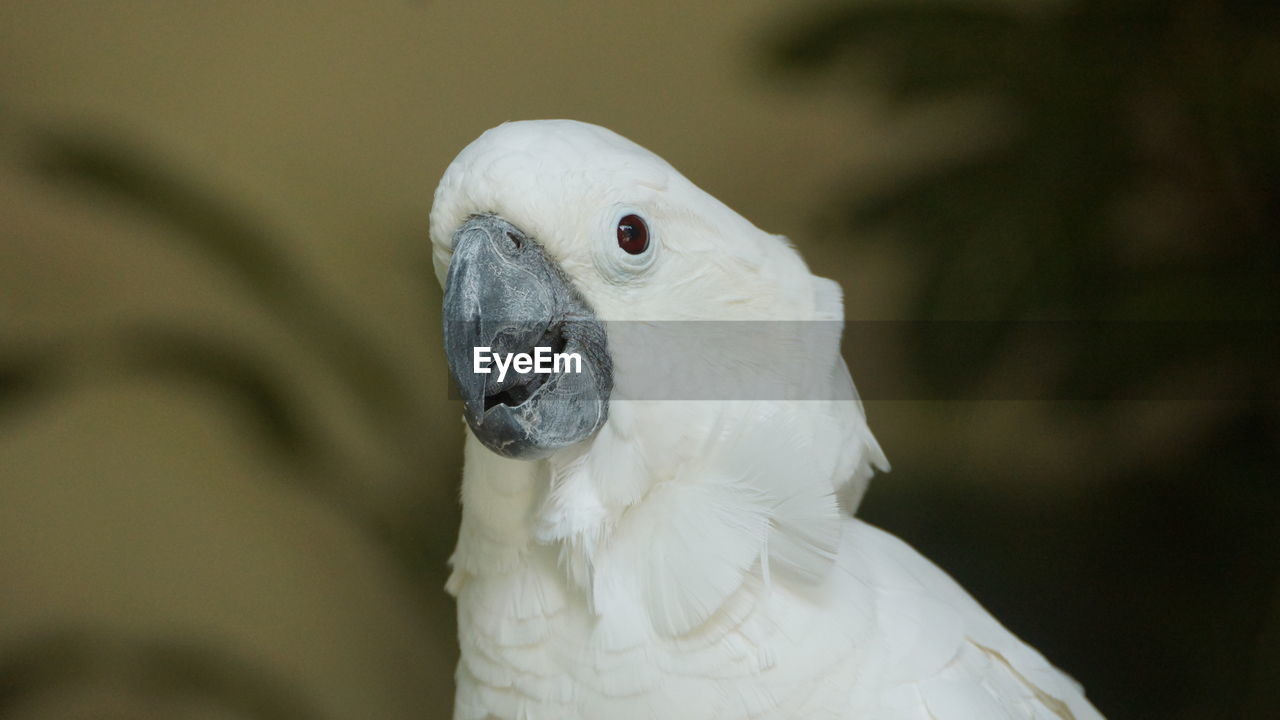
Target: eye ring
(633,234)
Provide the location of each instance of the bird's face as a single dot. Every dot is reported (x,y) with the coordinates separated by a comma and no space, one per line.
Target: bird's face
(544,229)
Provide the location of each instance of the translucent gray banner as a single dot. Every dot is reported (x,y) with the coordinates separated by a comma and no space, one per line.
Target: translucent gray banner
(974,360)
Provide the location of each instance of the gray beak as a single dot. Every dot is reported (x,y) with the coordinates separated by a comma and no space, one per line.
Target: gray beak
(504,293)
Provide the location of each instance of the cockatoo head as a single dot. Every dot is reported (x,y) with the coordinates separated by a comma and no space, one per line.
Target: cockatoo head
(543,230)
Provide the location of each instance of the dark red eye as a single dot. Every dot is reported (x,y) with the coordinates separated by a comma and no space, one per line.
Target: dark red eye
(633,234)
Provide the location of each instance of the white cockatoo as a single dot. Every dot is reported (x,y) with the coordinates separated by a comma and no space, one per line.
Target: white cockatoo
(630,550)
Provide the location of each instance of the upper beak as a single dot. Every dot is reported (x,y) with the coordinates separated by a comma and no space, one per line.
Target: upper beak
(504,293)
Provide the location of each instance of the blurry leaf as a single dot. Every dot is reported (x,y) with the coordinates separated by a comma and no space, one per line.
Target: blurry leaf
(155,672)
(239,246)
(1104,99)
(227,237)
(818,40)
(166,351)
(23,378)
(161,351)
(129,176)
(276,417)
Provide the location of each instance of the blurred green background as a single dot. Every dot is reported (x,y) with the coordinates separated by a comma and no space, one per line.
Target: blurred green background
(228,462)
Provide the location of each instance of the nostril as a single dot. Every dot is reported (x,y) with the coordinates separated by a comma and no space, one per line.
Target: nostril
(516,239)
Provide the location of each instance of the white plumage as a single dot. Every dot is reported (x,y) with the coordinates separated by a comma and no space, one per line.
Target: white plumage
(698,559)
